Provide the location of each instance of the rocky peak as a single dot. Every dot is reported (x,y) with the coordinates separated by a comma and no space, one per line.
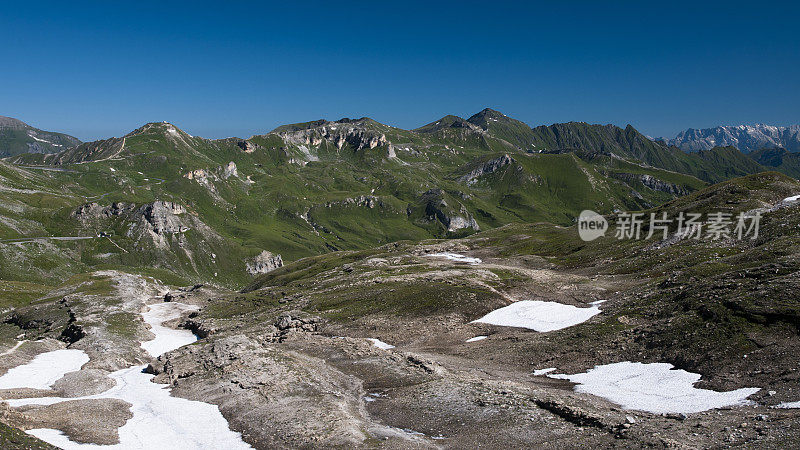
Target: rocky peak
(162,128)
(448,122)
(487,115)
(12,123)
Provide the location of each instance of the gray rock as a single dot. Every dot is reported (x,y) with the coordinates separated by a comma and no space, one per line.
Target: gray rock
(162,216)
(230,170)
(491,166)
(652,183)
(264,262)
(83,382)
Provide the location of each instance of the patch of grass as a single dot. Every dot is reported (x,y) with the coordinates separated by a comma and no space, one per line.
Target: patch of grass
(122,324)
(403,299)
(14,294)
(15,439)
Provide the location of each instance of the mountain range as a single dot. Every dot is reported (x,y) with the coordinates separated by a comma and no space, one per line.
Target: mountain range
(747,138)
(315,187)
(330,281)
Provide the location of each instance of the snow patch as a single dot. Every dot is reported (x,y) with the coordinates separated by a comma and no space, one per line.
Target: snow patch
(788,405)
(656,388)
(159,420)
(476,339)
(539,316)
(380,344)
(538,372)
(44,370)
(792,199)
(167,339)
(456,257)
(40,140)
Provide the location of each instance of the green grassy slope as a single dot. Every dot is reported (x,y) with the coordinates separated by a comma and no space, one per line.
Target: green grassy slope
(17,137)
(311,188)
(778,159)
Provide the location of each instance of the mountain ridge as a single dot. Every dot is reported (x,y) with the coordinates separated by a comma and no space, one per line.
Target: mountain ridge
(17,137)
(747,138)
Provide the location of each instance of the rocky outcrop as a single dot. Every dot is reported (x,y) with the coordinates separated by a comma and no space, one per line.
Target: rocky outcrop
(491,166)
(93,211)
(263,263)
(461,221)
(247,146)
(207,178)
(200,175)
(229,170)
(161,217)
(203,176)
(367,201)
(282,398)
(287,324)
(352,132)
(453,219)
(652,183)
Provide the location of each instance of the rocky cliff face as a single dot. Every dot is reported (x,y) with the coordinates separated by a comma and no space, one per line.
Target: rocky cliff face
(264,262)
(652,182)
(166,231)
(161,217)
(207,178)
(491,166)
(454,218)
(355,133)
(747,138)
(92,212)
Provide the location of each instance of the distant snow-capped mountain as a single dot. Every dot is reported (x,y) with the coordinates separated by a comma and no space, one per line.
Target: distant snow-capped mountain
(747,138)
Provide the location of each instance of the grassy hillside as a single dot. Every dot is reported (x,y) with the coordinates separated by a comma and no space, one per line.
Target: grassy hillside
(778,159)
(17,137)
(697,303)
(160,201)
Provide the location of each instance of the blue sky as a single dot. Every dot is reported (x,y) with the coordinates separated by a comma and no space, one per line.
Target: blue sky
(99,69)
